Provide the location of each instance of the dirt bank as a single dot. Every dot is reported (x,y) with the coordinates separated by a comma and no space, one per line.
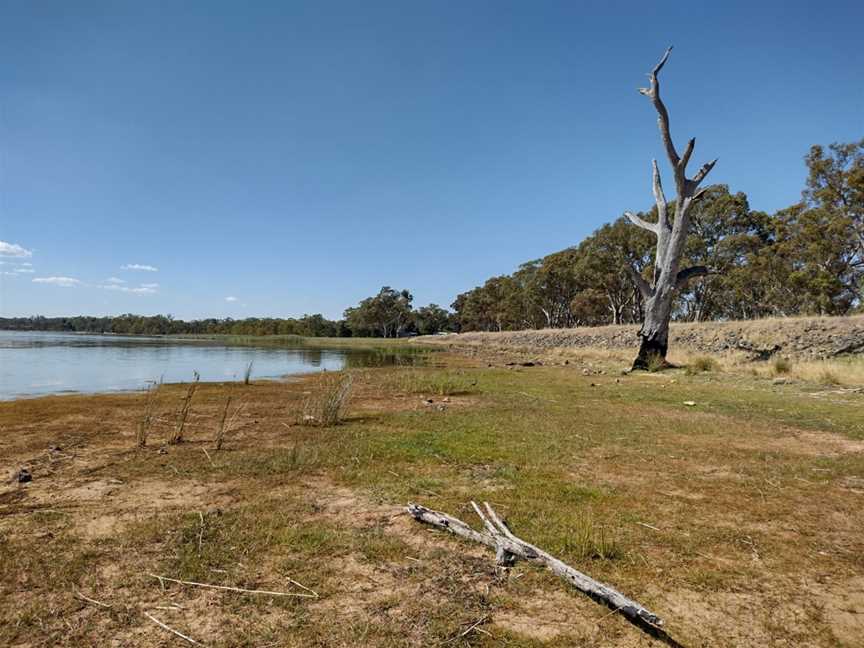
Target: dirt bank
(805,338)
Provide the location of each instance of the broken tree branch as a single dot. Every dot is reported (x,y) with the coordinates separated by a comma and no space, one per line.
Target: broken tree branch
(643,286)
(636,220)
(687,274)
(659,198)
(653,93)
(499,537)
(704,170)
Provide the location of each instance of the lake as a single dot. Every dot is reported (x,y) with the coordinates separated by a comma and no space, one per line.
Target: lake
(36,363)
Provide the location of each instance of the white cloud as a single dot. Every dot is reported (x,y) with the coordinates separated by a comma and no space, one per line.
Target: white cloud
(65,282)
(231,299)
(143,289)
(27,263)
(14,250)
(115,281)
(24,270)
(139,266)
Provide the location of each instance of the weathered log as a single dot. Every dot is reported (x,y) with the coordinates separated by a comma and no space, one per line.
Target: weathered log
(508,547)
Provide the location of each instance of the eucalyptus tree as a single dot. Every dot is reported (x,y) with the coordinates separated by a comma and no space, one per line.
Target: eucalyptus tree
(671,231)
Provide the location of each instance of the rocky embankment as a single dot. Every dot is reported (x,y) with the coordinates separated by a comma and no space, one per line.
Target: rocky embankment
(799,338)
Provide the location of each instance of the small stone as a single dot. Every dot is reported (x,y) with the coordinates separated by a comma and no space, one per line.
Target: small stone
(780,381)
(690,403)
(24,476)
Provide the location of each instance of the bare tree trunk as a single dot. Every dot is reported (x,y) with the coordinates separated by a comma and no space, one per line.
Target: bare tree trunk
(671,233)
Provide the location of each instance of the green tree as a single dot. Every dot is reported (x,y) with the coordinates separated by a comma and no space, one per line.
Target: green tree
(386,314)
(431,319)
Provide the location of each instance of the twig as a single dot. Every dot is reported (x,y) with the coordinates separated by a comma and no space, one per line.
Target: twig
(93,601)
(648,526)
(204,450)
(312,593)
(201,530)
(172,630)
(474,625)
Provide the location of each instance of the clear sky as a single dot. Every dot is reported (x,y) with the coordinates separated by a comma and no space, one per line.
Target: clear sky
(296,156)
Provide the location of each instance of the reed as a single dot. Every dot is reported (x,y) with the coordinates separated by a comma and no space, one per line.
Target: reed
(226,422)
(247,375)
(185,409)
(147,416)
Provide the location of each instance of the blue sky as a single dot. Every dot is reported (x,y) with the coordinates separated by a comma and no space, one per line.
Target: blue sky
(296,156)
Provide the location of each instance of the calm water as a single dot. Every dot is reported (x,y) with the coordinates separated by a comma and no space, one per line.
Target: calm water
(32,364)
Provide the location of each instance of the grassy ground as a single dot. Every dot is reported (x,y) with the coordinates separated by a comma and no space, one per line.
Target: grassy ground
(728,504)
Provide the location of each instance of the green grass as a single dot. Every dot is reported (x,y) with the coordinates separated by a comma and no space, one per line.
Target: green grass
(438,383)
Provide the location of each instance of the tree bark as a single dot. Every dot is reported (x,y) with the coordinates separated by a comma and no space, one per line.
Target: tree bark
(659,295)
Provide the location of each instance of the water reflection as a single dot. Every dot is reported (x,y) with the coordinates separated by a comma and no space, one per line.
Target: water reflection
(48,363)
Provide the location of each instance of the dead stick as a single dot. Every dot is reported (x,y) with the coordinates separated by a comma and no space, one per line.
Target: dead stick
(313,594)
(172,630)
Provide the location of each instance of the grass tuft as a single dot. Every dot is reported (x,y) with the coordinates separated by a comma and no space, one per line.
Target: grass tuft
(656,363)
(702,364)
(328,400)
(587,540)
(829,377)
(781,366)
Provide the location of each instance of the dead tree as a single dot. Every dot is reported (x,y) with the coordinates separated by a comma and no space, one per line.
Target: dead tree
(671,233)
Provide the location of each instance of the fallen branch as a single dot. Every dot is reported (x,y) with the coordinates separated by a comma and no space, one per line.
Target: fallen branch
(308,594)
(508,548)
(173,631)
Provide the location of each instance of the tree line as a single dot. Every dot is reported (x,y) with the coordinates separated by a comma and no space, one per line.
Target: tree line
(806,259)
(308,325)
(387,314)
